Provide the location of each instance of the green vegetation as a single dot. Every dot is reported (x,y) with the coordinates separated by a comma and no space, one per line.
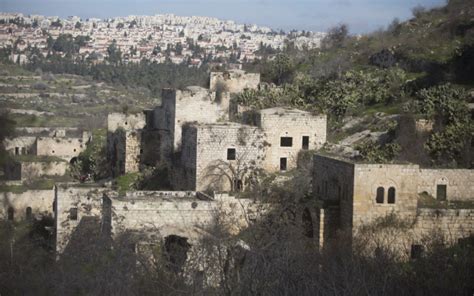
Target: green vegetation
(92,162)
(127,182)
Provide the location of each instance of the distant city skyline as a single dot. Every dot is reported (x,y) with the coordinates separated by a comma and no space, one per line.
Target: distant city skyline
(362,16)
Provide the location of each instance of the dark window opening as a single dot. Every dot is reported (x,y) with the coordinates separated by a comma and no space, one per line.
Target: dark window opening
(11,214)
(53,151)
(286,142)
(231,154)
(391,195)
(308,224)
(380,195)
(416,251)
(283,164)
(305,145)
(73,160)
(441,192)
(238,185)
(29,213)
(176,252)
(73,213)
(17,150)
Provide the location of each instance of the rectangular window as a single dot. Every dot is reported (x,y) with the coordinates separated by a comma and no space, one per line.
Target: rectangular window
(305,144)
(286,142)
(73,213)
(441,192)
(231,154)
(17,150)
(283,164)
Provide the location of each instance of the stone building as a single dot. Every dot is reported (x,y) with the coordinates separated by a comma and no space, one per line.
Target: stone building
(150,216)
(124,134)
(356,194)
(287,132)
(194,104)
(234,81)
(220,156)
(64,143)
(26,205)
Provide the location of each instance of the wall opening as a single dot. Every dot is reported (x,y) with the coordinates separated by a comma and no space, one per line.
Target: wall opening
(11,214)
(441,192)
(23,151)
(73,160)
(176,252)
(391,195)
(17,150)
(286,142)
(416,251)
(231,154)
(305,144)
(308,224)
(380,195)
(29,214)
(283,164)
(73,213)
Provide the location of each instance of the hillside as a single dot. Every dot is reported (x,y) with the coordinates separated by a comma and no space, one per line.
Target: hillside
(419,69)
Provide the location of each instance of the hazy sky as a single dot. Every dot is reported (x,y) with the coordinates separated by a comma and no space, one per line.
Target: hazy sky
(315,15)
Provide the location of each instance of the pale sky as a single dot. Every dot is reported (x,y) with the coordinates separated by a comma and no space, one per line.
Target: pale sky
(316,15)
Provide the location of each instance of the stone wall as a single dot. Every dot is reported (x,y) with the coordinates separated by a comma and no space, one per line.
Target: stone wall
(194,104)
(151,213)
(234,81)
(65,148)
(126,122)
(77,209)
(451,224)
(205,154)
(459,183)
(281,122)
(34,170)
(20,145)
(40,202)
(369,177)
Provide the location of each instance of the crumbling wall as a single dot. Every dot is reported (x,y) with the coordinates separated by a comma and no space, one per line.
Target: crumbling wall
(33,170)
(39,201)
(234,81)
(20,145)
(65,148)
(77,209)
(125,121)
(194,104)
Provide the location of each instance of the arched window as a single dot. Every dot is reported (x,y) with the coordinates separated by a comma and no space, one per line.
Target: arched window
(380,195)
(29,213)
(391,195)
(11,214)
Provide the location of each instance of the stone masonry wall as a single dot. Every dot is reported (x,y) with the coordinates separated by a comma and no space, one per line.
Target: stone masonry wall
(125,121)
(452,224)
(234,81)
(65,148)
(194,104)
(40,202)
(280,122)
(369,177)
(459,183)
(213,169)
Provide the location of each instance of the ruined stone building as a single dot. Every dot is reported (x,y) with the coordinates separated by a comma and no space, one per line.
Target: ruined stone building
(357,194)
(146,217)
(234,81)
(38,152)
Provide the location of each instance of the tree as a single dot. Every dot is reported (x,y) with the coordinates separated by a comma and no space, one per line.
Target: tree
(336,36)
(114,53)
(78,25)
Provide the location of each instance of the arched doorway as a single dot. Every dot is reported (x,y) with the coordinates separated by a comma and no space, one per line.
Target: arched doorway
(176,252)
